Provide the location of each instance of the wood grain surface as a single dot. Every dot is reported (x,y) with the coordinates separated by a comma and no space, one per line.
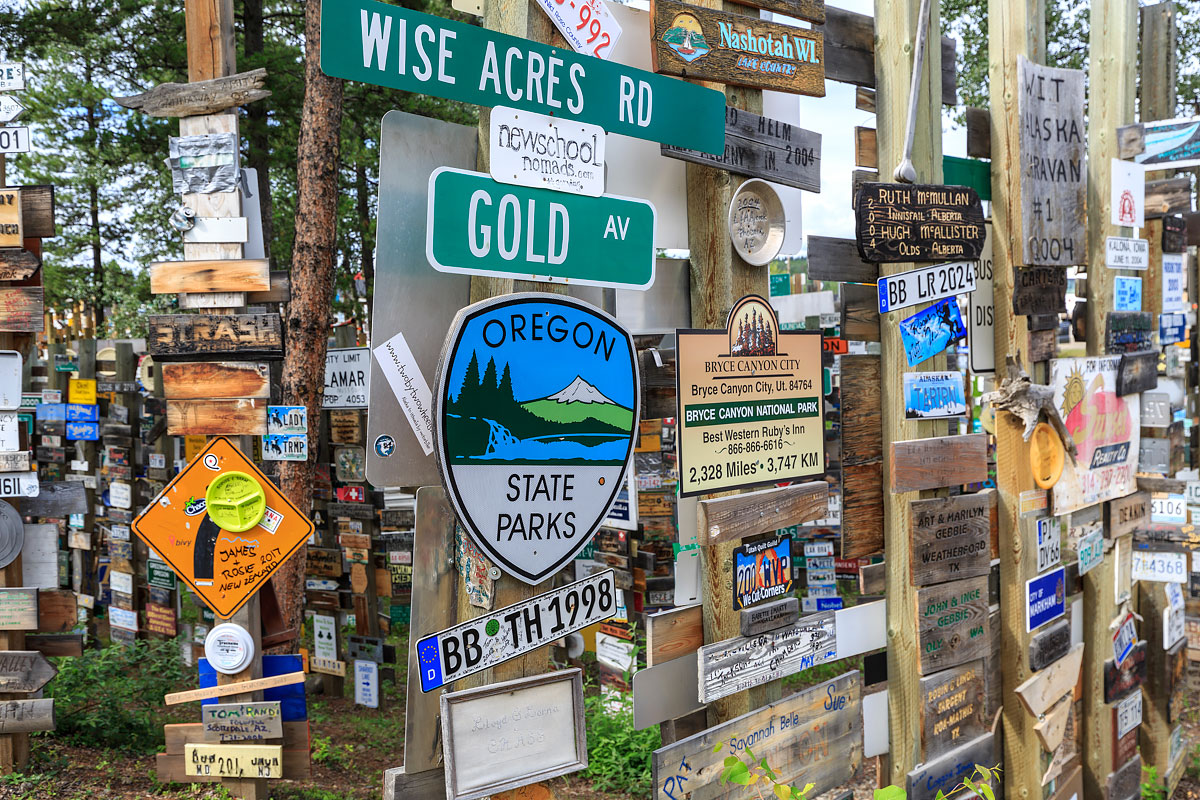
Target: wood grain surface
(939,462)
(216,380)
(229,275)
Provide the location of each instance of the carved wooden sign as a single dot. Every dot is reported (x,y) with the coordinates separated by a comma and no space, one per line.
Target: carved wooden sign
(1137,372)
(17,265)
(1039,290)
(813,736)
(699,43)
(1129,675)
(26,716)
(895,223)
(953,623)
(952,703)
(12,231)
(1126,514)
(734,665)
(1049,645)
(939,462)
(233,336)
(24,671)
(950,538)
(1051,229)
(216,379)
(763,148)
(201,97)
(769,616)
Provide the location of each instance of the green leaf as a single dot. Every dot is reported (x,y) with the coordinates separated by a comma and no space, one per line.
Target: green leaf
(739,774)
(986,791)
(967,782)
(731,760)
(783,792)
(890,793)
(767,769)
(750,753)
(717,749)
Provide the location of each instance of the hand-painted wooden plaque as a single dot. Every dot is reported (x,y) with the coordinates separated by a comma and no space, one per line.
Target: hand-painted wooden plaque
(21,309)
(26,716)
(11,230)
(1129,675)
(895,223)
(763,148)
(1039,290)
(736,428)
(699,43)
(233,275)
(950,538)
(1126,514)
(1051,229)
(232,722)
(1137,372)
(734,665)
(24,671)
(178,337)
(769,616)
(19,609)
(944,773)
(233,760)
(953,622)
(535,417)
(939,462)
(952,704)
(813,736)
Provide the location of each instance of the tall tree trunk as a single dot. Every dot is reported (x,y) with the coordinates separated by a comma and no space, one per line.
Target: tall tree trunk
(306,321)
(367,239)
(94,222)
(258,153)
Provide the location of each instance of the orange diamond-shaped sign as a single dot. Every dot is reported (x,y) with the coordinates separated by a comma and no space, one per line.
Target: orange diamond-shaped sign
(225,558)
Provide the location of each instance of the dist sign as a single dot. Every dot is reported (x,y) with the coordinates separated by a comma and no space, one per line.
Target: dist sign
(259,528)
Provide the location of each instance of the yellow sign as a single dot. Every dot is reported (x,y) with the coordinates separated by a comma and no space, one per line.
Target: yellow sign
(82,391)
(751,409)
(224,565)
(1046,456)
(192,446)
(12,229)
(233,760)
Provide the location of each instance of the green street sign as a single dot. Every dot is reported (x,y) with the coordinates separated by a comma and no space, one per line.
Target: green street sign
(376,43)
(160,575)
(480,227)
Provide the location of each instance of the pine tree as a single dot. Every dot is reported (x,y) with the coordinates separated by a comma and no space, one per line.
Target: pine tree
(470,385)
(490,384)
(506,397)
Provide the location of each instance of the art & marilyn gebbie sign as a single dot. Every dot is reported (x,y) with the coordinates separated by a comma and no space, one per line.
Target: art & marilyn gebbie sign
(536,413)
(750,402)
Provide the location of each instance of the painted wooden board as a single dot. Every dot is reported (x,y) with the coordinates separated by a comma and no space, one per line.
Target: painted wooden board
(242,687)
(896,223)
(234,760)
(1137,372)
(950,538)
(673,634)
(231,722)
(953,622)
(765,148)
(945,772)
(1051,228)
(952,708)
(204,380)
(201,97)
(26,716)
(57,608)
(860,313)
(1043,690)
(1126,514)
(1039,290)
(862,456)
(1128,331)
(831,259)
(1051,728)
(872,578)
(17,264)
(218,230)
(21,309)
(56,500)
(726,519)
(239,336)
(1049,644)
(939,462)
(17,461)
(665,691)
(11,228)
(24,671)
(737,664)
(19,609)
(699,43)
(1121,680)
(38,212)
(1168,196)
(813,736)
(232,275)
(216,417)
(1125,782)
(280,291)
(769,616)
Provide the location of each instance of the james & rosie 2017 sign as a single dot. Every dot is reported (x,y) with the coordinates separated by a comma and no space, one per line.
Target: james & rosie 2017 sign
(750,402)
(536,414)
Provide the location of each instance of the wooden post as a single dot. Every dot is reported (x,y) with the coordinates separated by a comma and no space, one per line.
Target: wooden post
(895,43)
(1014,29)
(1112,61)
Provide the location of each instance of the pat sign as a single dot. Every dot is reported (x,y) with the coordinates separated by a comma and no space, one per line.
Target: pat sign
(536,413)
(509,632)
(478,226)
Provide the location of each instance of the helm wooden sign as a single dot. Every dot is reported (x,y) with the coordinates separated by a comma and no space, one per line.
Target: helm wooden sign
(223,527)
(536,413)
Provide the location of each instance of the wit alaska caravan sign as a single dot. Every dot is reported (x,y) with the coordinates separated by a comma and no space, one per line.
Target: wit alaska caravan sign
(537,412)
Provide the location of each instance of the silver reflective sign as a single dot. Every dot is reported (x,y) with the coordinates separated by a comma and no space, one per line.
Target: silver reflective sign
(410,295)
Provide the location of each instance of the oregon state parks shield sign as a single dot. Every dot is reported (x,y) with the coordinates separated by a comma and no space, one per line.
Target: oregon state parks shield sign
(536,415)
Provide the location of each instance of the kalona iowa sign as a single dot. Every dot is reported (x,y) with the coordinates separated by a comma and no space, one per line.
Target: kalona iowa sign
(536,412)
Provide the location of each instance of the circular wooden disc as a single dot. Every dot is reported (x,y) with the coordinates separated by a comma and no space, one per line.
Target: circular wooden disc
(12,534)
(1045,456)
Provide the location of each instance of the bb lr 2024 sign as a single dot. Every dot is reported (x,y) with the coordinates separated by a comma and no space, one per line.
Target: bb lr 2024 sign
(536,414)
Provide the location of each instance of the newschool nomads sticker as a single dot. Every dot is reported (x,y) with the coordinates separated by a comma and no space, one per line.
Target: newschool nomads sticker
(536,415)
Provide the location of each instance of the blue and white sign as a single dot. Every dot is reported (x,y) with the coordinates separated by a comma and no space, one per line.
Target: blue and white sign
(1091,551)
(1172,328)
(929,332)
(1049,543)
(51,412)
(1127,293)
(78,412)
(925,285)
(83,432)
(536,413)
(1173,270)
(623,515)
(366,684)
(932,395)
(1045,598)
(287,419)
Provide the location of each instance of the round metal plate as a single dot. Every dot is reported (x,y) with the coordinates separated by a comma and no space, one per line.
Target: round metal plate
(12,534)
(757,224)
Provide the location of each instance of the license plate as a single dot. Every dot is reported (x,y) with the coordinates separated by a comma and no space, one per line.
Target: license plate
(925,284)
(1129,713)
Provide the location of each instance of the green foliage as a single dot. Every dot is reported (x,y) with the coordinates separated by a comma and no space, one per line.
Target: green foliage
(978,783)
(749,773)
(618,755)
(324,751)
(114,697)
(1152,787)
